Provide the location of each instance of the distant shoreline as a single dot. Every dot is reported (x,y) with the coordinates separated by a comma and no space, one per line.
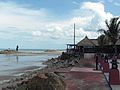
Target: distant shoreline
(29,53)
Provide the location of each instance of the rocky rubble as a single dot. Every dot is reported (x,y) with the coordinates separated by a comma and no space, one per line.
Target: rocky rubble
(65,60)
(45,81)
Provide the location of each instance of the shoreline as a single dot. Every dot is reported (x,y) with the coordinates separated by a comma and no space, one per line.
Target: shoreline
(26,53)
(24,73)
(19,73)
(55,68)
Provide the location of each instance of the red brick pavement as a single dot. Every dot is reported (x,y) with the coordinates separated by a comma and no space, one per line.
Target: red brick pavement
(80,79)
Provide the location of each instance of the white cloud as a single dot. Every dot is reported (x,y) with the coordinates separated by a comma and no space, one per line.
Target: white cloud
(94,16)
(97,8)
(36,33)
(20,17)
(88,18)
(76,3)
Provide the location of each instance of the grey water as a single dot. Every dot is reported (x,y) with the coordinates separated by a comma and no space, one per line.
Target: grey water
(11,63)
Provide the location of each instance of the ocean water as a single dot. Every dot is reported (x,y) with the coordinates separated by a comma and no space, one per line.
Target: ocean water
(10,64)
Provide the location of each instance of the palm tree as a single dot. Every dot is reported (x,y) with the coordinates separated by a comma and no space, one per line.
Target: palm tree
(102,40)
(113,32)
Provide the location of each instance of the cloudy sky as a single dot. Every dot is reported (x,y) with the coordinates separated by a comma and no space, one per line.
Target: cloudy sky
(49,23)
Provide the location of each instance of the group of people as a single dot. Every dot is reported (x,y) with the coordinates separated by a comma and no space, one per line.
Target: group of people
(114,61)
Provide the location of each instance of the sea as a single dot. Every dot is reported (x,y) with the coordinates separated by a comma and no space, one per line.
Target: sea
(11,64)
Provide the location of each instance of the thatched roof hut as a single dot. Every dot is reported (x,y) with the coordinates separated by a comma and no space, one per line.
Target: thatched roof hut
(95,41)
(88,42)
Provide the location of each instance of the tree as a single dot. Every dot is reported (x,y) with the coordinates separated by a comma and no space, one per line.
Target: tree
(101,40)
(112,33)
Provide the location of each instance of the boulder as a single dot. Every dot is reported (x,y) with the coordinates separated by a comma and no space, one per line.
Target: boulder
(47,81)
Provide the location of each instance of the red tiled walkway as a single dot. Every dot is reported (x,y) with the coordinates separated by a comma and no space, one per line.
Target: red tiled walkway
(85,79)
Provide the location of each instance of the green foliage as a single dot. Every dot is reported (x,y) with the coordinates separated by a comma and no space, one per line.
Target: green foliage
(101,40)
(112,33)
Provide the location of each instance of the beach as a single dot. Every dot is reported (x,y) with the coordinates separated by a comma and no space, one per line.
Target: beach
(60,45)
(15,64)
(60,73)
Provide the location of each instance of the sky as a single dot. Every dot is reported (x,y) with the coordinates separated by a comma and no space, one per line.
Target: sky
(49,24)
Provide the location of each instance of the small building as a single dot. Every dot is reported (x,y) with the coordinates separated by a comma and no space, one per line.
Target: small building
(88,42)
(85,47)
(88,46)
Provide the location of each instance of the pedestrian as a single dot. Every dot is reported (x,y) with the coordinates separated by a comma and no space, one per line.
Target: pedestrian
(17,48)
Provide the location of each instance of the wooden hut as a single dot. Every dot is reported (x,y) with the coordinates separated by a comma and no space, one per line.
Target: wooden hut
(88,46)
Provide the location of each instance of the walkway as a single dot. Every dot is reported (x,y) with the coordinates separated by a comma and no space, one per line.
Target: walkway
(84,79)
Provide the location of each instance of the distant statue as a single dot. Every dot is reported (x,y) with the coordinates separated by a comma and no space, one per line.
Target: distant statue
(17,48)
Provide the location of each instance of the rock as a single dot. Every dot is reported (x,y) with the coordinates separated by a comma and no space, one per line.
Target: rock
(47,81)
(4,88)
(65,56)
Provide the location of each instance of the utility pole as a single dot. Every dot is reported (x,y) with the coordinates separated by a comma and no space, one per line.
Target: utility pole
(74,36)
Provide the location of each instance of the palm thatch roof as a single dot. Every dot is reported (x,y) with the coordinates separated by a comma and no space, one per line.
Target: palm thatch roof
(88,42)
(95,41)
